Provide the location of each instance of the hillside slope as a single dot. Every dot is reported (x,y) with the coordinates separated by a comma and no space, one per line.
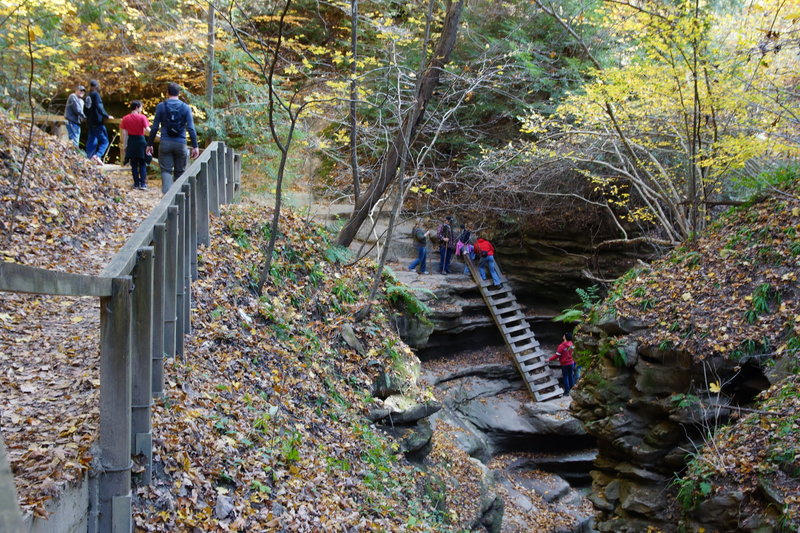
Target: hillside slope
(693,361)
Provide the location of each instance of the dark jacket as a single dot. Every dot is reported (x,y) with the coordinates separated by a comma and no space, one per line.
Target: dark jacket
(96,114)
(172,111)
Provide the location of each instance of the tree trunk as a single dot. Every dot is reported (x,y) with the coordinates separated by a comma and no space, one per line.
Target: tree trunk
(353,96)
(398,149)
(210,59)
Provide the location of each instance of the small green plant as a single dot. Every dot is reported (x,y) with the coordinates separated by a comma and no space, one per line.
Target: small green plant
(761,298)
(405,299)
(290,445)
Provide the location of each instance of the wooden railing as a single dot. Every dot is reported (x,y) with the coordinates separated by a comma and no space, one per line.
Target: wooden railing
(145,311)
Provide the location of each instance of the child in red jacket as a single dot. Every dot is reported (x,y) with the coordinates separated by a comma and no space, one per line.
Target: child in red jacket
(564,355)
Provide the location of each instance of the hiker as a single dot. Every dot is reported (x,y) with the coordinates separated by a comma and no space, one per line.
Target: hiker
(174,118)
(97,139)
(447,244)
(484,251)
(564,355)
(420,237)
(464,247)
(136,125)
(75,115)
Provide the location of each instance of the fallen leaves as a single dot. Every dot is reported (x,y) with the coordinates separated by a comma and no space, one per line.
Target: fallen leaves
(70,218)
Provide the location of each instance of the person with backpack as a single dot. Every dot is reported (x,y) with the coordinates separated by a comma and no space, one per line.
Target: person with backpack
(420,237)
(174,117)
(484,251)
(464,247)
(564,354)
(97,139)
(447,245)
(74,114)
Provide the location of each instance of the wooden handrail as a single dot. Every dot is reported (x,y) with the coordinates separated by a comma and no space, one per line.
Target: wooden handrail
(32,280)
(122,263)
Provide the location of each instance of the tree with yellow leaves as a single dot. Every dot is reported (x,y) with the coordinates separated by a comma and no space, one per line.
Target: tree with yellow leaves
(694,97)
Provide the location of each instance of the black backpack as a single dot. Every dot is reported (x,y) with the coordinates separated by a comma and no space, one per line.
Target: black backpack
(174,119)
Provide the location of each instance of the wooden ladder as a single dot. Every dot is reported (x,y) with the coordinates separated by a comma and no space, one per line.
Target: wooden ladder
(530,359)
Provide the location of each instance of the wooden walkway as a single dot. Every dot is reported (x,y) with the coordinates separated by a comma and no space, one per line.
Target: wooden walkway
(530,359)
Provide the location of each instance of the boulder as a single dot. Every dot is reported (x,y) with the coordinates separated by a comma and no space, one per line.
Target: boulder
(352,340)
(409,414)
(415,441)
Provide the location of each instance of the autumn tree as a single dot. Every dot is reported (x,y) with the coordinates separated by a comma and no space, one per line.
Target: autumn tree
(697,97)
(397,151)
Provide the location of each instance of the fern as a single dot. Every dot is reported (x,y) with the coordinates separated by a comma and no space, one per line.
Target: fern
(569,315)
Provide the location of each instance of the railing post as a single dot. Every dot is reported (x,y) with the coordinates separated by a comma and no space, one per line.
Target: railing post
(237,174)
(180,201)
(10,515)
(221,174)
(142,346)
(160,253)
(229,173)
(115,408)
(171,285)
(213,177)
(202,205)
(193,225)
(187,259)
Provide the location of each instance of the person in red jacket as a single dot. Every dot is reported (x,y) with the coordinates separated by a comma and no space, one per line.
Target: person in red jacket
(484,251)
(564,355)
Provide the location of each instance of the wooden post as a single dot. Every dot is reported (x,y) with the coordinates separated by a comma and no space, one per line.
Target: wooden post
(187,259)
(180,201)
(142,346)
(213,186)
(237,174)
(171,285)
(202,205)
(160,252)
(10,515)
(221,177)
(115,408)
(229,173)
(193,224)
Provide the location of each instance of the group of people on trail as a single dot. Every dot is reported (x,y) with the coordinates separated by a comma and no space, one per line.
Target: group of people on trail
(467,244)
(172,116)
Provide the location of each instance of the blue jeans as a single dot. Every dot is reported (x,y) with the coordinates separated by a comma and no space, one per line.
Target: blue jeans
(97,141)
(420,260)
(568,374)
(488,261)
(139,170)
(445,255)
(74,133)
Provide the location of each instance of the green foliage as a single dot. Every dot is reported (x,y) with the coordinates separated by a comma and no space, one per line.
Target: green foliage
(404,298)
(762,296)
(781,178)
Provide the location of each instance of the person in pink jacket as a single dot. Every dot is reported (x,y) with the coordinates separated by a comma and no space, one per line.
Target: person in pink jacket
(564,355)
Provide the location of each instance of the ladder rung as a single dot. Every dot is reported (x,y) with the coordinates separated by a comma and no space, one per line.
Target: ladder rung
(494,292)
(543,397)
(514,307)
(551,381)
(524,347)
(503,301)
(524,358)
(509,319)
(533,366)
(512,329)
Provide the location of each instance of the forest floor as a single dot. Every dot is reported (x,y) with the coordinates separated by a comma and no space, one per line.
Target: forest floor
(262,426)
(71,217)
